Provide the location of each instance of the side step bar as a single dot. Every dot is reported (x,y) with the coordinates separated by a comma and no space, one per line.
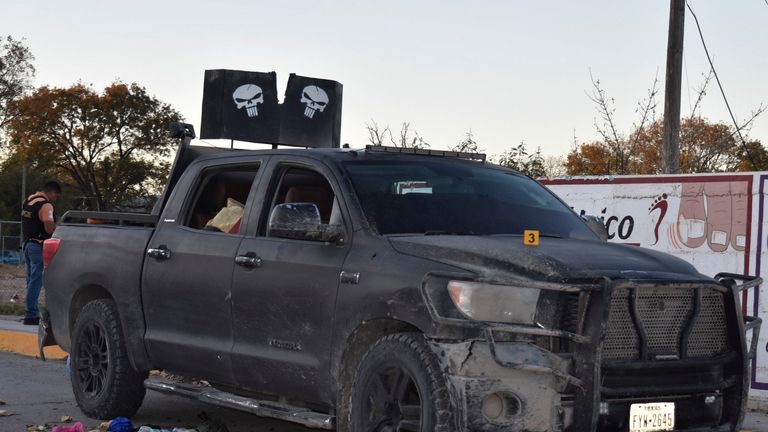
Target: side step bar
(270,409)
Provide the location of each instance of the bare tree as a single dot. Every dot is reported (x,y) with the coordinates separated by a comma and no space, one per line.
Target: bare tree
(554,166)
(622,151)
(377,135)
(406,138)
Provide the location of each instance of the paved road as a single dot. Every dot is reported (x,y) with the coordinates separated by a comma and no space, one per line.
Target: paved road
(38,393)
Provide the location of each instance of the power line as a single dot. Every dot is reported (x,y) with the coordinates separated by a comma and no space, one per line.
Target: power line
(720,85)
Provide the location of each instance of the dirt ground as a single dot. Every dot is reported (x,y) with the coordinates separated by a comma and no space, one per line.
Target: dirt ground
(12,285)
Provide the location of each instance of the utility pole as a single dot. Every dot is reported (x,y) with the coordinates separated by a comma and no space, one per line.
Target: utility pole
(670,150)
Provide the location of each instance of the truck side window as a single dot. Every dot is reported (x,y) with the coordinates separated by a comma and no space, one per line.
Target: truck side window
(301,185)
(220,200)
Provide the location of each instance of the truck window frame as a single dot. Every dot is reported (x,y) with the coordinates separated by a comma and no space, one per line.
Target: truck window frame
(200,182)
(277,174)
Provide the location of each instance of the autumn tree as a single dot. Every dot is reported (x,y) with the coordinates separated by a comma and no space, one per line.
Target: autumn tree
(113,145)
(16,73)
(705,146)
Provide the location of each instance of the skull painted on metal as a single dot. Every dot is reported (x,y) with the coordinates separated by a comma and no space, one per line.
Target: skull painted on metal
(248,96)
(315,98)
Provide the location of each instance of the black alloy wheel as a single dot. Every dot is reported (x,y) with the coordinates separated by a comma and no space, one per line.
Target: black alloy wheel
(104,382)
(92,360)
(399,386)
(393,402)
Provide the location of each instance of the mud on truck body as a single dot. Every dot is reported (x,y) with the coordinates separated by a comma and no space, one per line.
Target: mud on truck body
(391,290)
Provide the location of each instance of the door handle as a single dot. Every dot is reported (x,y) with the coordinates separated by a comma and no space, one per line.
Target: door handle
(159,253)
(249,260)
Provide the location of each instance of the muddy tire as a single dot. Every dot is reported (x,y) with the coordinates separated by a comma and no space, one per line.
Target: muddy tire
(103,381)
(398,386)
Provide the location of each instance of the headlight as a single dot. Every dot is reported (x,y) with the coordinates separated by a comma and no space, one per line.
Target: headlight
(496,303)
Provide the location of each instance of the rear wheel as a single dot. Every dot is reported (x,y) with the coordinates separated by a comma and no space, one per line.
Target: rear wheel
(399,387)
(103,381)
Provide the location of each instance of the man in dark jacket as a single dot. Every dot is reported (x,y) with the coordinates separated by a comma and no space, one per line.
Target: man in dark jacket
(37,224)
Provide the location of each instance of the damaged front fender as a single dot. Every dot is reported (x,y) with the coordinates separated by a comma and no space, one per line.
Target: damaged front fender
(505,386)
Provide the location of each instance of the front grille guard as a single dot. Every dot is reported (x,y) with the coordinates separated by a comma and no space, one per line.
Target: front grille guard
(594,306)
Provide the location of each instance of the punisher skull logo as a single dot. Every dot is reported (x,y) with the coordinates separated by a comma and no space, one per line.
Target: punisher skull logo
(248,96)
(315,98)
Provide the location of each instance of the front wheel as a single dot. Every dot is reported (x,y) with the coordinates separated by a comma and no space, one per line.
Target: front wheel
(103,381)
(399,387)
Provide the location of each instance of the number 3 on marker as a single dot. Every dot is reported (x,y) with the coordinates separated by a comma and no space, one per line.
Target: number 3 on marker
(531,237)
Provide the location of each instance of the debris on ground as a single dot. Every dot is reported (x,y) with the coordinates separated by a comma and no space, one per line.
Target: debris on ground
(152,429)
(4,413)
(77,427)
(35,428)
(66,419)
(120,424)
(211,424)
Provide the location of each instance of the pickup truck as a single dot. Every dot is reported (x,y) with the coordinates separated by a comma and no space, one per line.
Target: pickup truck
(389,289)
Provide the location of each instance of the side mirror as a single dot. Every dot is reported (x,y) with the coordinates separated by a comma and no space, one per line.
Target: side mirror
(301,221)
(597,226)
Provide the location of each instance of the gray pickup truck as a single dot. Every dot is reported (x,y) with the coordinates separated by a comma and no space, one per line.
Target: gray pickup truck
(387,289)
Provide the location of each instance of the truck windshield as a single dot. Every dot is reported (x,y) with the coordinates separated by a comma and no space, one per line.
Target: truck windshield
(432,196)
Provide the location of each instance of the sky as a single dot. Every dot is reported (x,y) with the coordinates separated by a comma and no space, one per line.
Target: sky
(509,71)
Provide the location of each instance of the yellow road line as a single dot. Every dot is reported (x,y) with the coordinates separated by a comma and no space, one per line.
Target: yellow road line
(26,344)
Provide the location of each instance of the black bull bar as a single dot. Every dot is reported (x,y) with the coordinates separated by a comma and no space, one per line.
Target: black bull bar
(587,346)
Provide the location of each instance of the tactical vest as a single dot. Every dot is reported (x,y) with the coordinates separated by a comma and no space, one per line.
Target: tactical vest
(32,228)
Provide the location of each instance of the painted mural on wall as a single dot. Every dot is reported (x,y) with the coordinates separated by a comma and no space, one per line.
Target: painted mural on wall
(715,222)
(704,219)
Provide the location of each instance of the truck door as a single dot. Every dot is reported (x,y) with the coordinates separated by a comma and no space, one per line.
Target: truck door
(283,301)
(188,272)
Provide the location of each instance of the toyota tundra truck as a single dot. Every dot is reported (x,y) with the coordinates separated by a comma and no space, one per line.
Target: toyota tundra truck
(389,289)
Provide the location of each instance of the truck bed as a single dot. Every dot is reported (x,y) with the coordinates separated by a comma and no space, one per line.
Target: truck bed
(114,245)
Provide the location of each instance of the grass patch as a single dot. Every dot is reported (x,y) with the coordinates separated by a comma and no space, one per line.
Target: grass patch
(7,308)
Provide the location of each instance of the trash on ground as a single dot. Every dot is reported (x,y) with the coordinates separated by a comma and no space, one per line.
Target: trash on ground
(120,424)
(77,427)
(66,419)
(4,413)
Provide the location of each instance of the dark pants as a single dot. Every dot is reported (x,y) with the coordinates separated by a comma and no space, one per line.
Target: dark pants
(33,260)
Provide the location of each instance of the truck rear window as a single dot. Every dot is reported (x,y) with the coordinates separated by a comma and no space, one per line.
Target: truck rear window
(447,196)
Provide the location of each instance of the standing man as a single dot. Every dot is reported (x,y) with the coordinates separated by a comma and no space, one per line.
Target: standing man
(37,224)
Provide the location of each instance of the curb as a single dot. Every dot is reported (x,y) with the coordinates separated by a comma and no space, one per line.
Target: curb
(25,343)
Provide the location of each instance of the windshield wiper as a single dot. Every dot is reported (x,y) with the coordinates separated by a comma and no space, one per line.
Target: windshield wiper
(552,235)
(444,232)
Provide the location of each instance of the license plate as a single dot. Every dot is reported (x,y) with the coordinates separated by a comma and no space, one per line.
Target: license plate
(649,417)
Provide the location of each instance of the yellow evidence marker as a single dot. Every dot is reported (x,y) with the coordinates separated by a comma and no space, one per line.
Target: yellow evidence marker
(531,237)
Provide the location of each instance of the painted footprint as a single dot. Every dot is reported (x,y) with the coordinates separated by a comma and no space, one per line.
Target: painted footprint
(715,213)
(719,211)
(739,196)
(692,219)
(660,203)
